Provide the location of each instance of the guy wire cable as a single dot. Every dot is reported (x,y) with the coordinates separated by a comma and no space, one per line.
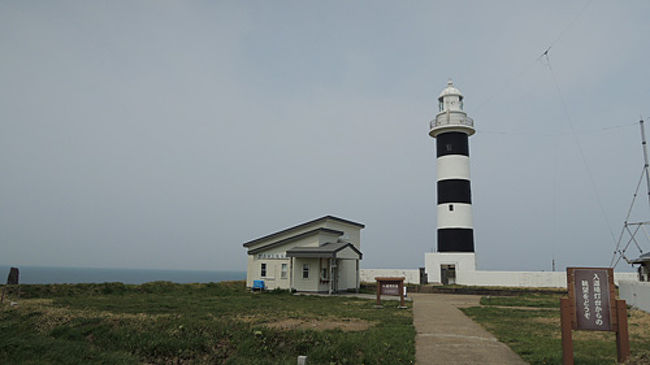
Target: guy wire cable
(580,149)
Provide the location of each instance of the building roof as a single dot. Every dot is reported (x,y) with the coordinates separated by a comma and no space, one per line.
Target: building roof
(641,259)
(326,250)
(294,238)
(302,225)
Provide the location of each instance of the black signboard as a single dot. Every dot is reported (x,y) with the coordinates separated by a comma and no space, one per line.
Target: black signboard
(592,299)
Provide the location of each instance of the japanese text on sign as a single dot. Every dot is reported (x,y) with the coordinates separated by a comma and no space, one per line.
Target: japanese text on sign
(592,299)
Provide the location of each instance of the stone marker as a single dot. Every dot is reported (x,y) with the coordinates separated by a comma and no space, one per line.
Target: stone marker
(12,279)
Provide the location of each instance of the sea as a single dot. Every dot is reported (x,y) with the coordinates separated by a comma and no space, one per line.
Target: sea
(75,275)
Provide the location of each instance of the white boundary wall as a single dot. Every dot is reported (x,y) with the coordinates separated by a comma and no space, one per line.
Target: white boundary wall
(635,293)
(466,273)
(532,279)
(369,275)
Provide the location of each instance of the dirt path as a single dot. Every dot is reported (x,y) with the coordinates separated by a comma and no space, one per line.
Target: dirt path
(446,336)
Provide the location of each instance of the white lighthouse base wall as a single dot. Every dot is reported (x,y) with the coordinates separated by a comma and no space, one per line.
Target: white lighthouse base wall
(464,263)
(636,293)
(466,273)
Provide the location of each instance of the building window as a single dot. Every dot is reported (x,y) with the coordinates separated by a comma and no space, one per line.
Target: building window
(305,271)
(263,271)
(451,207)
(283,273)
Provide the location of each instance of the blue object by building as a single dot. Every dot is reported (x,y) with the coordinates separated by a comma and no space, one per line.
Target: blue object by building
(258,284)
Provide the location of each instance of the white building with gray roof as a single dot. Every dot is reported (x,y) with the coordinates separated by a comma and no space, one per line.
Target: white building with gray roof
(321,255)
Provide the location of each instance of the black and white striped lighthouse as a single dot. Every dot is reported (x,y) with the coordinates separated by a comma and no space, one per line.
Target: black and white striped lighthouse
(451,128)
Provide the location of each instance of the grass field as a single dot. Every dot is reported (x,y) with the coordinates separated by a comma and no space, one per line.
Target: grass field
(528,300)
(533,332)
(165,323)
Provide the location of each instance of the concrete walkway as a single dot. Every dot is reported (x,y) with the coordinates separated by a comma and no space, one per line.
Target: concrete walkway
(446,336)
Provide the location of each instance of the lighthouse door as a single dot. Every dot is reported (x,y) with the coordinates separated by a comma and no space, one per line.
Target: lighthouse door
(448,274)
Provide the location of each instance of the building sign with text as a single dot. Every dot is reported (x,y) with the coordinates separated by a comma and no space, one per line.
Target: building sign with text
(592,289)
(390,288)
(592,305)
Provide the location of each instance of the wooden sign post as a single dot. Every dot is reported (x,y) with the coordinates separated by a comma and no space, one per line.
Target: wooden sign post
(390,286)
(592,306)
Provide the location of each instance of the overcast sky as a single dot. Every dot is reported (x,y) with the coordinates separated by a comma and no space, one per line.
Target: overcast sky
(162,134)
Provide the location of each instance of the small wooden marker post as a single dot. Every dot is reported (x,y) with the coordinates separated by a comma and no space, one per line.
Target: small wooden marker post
(390,286)
(592,306)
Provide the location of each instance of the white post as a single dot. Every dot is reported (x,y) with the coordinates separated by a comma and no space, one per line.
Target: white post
(331,274)
(358,277)
(290,274)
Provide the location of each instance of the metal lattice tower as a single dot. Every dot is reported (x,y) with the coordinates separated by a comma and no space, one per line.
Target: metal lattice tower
(631,230)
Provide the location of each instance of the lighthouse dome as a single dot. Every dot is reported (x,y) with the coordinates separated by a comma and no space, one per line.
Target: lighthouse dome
(451,117)
(450,90)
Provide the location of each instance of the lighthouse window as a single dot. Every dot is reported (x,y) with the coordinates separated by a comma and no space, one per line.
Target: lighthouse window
(451,207)
(449,147)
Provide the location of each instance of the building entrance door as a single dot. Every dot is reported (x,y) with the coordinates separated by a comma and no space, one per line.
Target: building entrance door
(423,277)
(448,274)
